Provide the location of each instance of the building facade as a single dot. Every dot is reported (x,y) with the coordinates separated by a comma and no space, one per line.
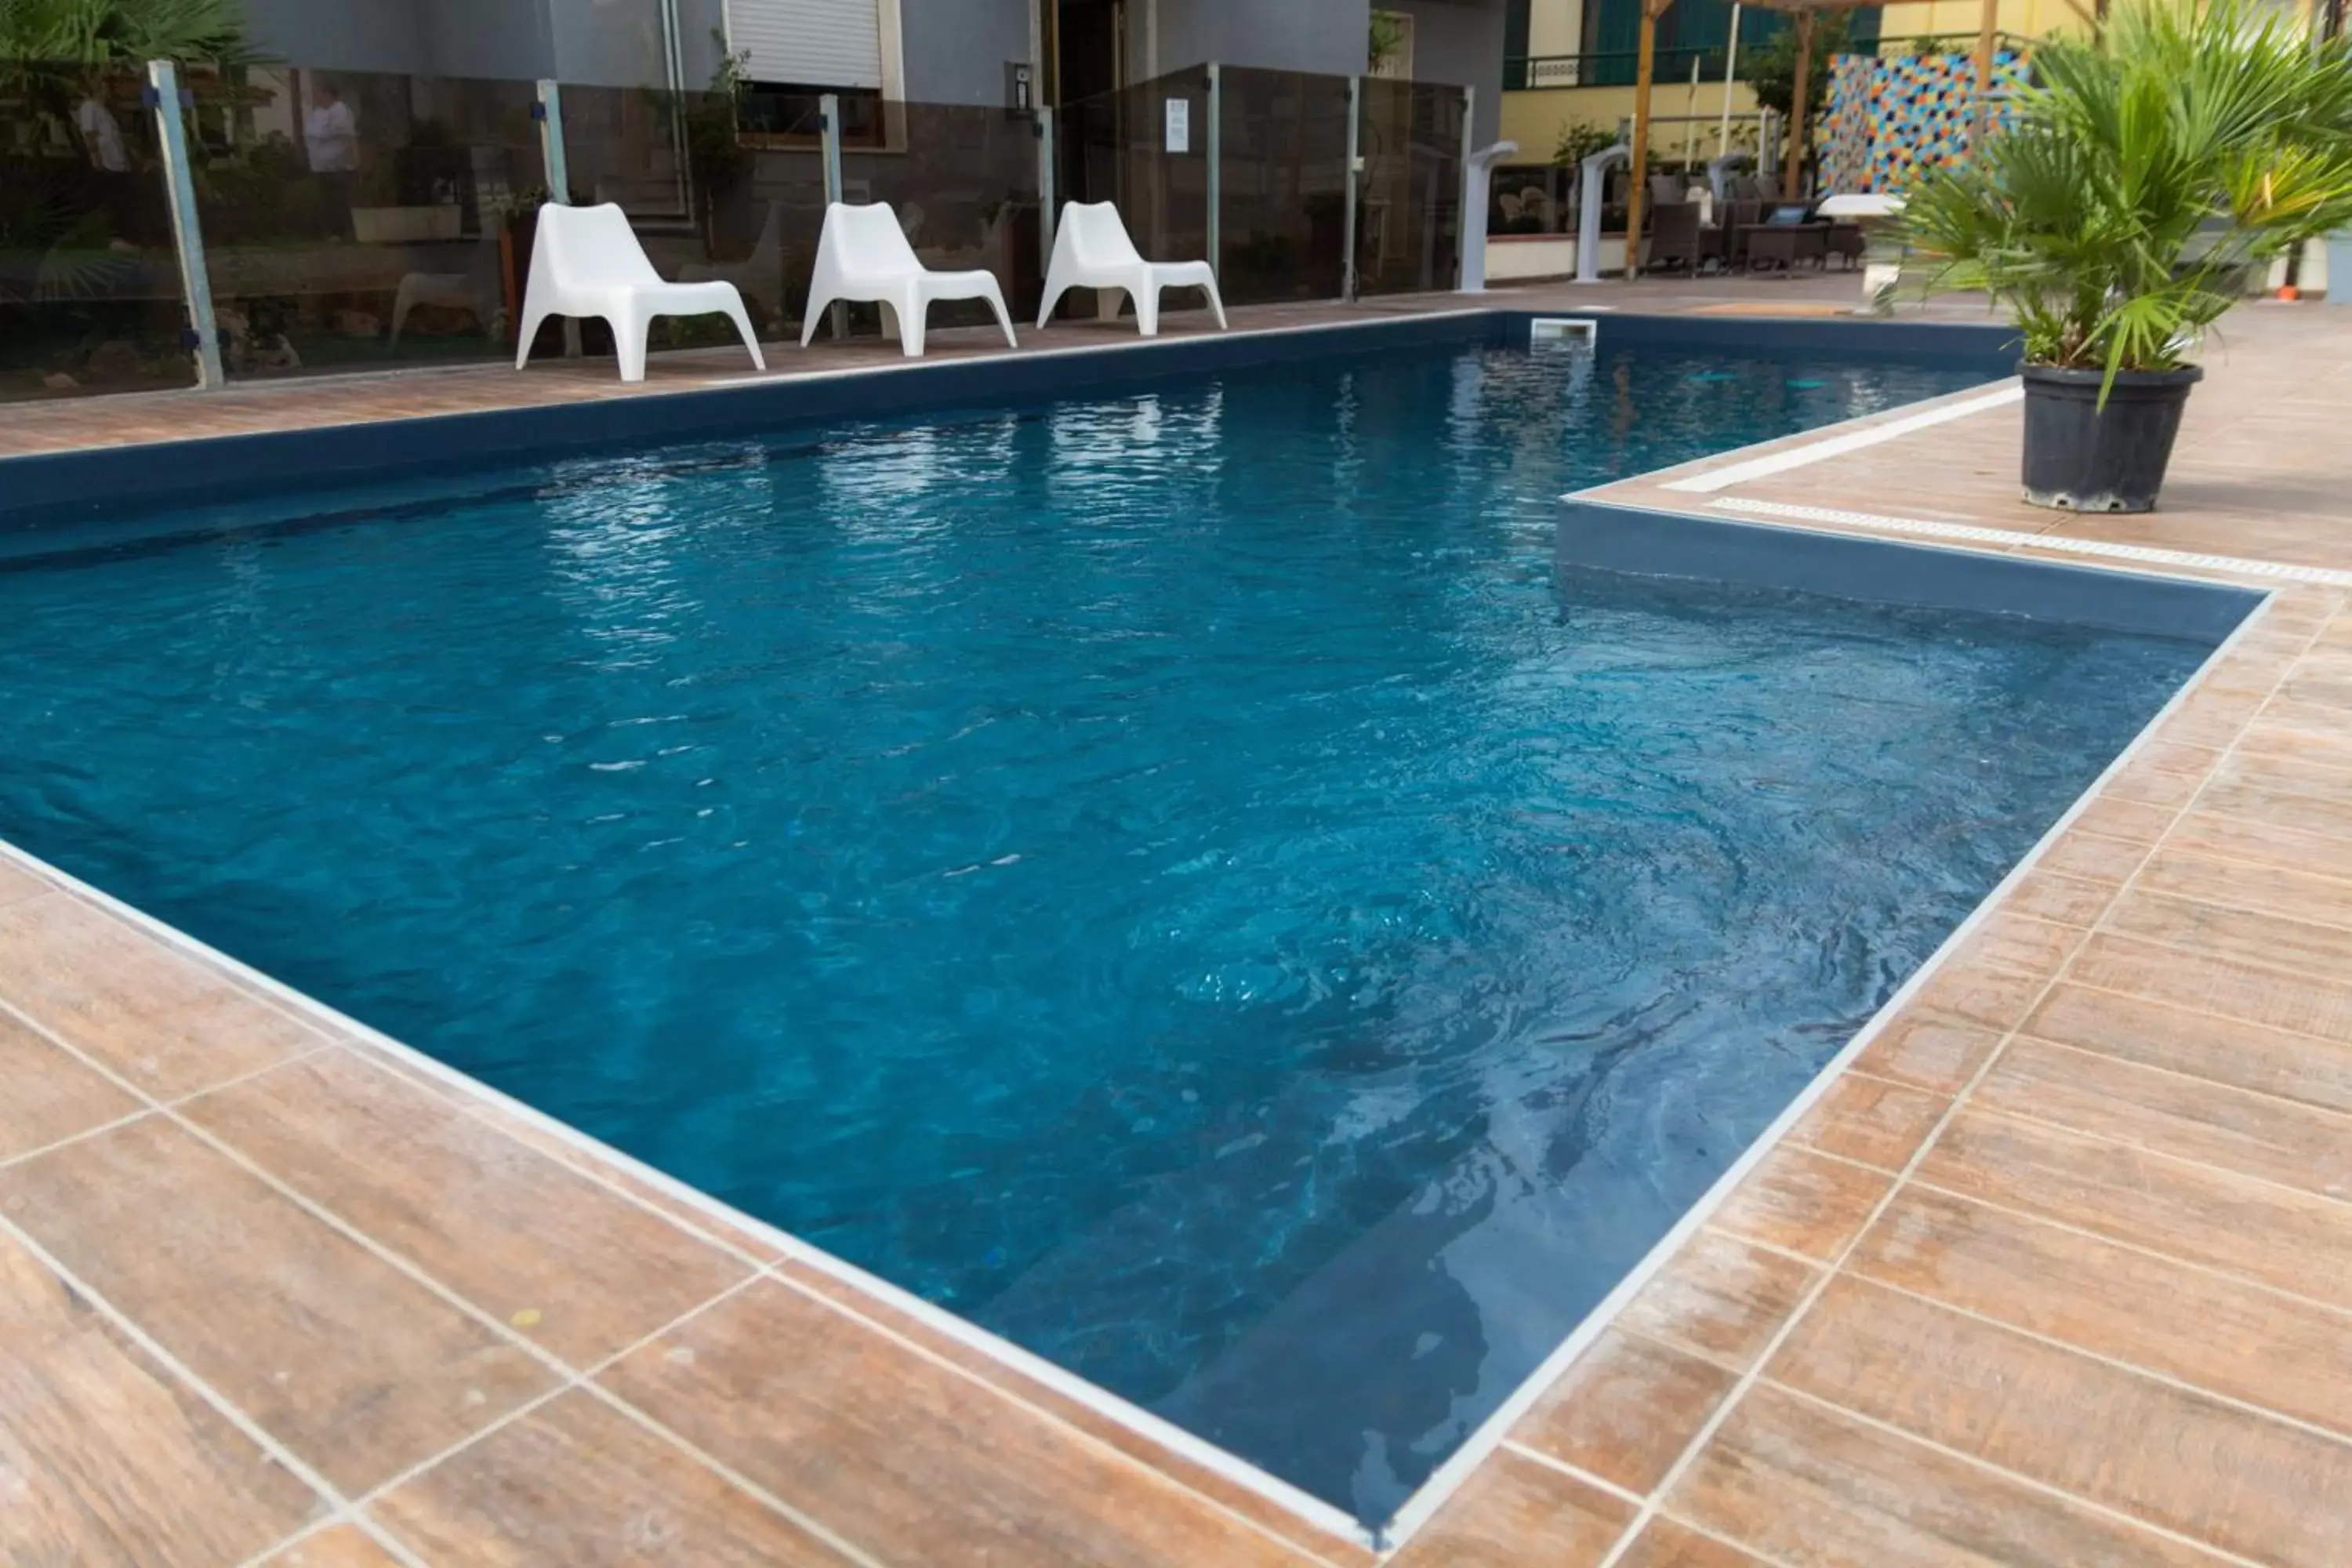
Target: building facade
(931,51)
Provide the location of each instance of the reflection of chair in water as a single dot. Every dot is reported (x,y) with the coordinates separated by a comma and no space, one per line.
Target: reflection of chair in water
(479,288)
(759,277)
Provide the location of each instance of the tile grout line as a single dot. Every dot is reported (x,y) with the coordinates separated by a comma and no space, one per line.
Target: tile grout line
(2226,905)
(2329,1435)
(2110,1141)
(486,1114)
(2267,1096)
(1116,1453)
(260,1436)
(2195,1012)
(70,1139)
(1818,1288)
(2019,1477)
(318,1212)
(1573,1472)
(2206,952)
(585,1381)
(728,1473)
(1927,1184)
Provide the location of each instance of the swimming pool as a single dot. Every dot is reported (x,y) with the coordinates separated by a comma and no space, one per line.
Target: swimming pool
(1177,877)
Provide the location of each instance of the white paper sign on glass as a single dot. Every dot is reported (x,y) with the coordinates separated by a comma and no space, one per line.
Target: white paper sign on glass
(1179,125)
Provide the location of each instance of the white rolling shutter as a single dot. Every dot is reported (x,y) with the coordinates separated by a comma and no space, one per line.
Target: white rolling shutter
(809,43)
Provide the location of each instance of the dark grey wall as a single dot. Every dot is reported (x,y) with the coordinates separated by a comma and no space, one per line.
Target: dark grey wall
(1460,43)
(1322,36)
(371,35)
(955,50)
(611,43)
(498,41)
(614,43)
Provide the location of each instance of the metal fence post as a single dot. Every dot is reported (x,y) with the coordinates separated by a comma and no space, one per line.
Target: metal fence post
(187,235)
(1216,152)
(1462,235)
(550,115)
(1348,213)
(1046,184)
(828,113)
(549,112)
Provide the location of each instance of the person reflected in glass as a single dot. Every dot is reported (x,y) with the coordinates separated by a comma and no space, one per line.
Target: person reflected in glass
(330,133)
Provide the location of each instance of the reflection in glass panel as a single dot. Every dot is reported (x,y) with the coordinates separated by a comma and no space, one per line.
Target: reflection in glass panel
(89,287)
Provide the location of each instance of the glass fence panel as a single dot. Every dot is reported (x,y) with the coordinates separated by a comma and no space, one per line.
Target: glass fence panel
(1283,215)
(962,179)
(90,283)
(355,219)
(1408,210)
(1145,148)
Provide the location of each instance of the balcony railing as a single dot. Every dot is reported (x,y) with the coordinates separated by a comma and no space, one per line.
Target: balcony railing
(1608,69)
(1617,68)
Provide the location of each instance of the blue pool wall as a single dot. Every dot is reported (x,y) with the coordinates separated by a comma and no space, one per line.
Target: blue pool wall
(1634,542)
(89,483)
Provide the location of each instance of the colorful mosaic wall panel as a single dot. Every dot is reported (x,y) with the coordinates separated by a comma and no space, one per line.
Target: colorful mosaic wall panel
(1890,115)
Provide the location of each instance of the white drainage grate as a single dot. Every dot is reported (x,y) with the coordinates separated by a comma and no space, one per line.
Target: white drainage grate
(1968,533)
(1552,329)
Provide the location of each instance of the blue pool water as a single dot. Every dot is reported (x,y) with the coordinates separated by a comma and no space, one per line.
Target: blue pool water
(1178,878)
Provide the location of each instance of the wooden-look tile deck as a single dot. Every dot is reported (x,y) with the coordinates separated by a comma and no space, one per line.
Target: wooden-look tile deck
(2059,1270)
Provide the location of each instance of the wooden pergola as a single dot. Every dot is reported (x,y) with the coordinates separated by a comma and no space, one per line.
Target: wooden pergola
(1805,14)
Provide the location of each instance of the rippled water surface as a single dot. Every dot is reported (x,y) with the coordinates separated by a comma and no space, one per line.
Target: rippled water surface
(1176,878)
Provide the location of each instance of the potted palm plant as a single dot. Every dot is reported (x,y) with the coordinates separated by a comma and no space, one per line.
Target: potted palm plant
(2137,186)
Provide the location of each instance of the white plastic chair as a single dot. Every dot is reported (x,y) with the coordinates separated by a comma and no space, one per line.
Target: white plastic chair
(1092,250)
(862,254)
(584,261)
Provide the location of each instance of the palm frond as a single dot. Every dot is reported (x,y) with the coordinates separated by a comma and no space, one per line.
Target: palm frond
(2140,176)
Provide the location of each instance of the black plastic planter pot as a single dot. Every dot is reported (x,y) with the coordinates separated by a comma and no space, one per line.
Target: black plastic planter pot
(2084,458)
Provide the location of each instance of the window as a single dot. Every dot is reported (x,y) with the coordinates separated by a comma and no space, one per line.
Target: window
(810,45)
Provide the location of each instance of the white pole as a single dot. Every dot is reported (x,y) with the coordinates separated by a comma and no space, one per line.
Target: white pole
(1690,122)
(1730,63)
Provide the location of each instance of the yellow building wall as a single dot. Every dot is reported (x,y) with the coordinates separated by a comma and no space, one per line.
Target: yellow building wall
(1534,119)
(2024,18)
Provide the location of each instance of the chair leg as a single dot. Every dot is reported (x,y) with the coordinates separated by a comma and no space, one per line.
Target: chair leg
(534,317)
(402,303)
(750,341)
(813,312)
(996,297)
(631,327)
(1147,308)
(1215,304)
(1045,310)
(913,312)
